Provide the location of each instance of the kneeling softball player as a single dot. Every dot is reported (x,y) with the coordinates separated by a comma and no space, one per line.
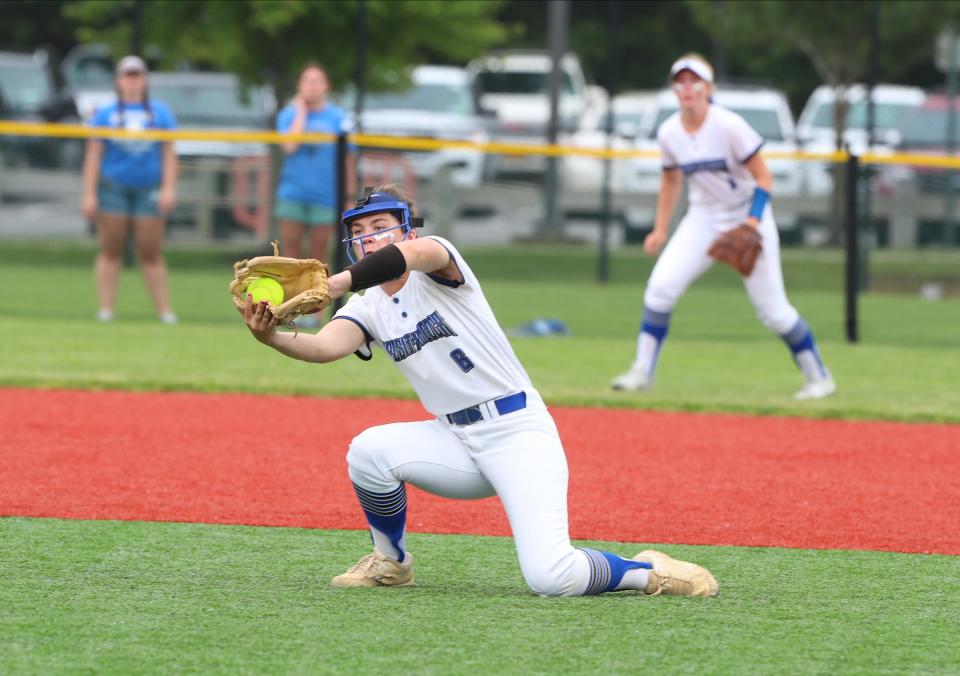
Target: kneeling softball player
(491,434)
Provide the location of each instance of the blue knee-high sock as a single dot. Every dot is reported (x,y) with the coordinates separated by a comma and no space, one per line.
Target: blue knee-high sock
(653,331)
(607,569)
(387,515)
(803,346)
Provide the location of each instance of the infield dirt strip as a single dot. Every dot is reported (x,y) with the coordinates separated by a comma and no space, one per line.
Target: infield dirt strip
(635,476)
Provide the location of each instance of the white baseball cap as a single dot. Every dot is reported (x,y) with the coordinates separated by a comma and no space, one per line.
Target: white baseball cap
(131,64)
(695,66)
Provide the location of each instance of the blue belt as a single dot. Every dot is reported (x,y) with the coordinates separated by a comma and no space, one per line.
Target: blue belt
(474,414)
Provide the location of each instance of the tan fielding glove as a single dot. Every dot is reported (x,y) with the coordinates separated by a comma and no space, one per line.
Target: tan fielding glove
(304,282)
(738,248)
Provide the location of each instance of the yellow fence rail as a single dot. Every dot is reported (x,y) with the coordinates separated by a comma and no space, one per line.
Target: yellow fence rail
(13,128)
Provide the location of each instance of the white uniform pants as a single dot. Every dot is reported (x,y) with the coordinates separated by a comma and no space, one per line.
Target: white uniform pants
(685,258)
(518,457)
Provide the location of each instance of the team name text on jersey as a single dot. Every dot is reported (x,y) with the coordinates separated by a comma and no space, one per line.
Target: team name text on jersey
(430,328)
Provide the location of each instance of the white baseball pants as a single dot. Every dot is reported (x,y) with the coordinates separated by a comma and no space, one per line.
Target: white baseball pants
(685,258)
(518,457)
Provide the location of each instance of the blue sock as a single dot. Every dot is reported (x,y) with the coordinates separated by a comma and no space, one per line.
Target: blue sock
(653,331)
(387,515)
(803,345)
(655,323)
(607,569)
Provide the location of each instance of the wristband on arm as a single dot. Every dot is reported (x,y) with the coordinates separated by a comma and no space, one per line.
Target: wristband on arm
(376,268)
(760,199)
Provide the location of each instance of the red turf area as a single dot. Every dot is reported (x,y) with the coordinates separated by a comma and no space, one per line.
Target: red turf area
(635,476)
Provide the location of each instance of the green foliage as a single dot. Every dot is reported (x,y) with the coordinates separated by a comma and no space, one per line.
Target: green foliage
(121,597)
(834,37)
(271,41)
(26,25)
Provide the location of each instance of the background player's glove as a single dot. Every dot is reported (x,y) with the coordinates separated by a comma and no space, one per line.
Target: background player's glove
(738,248)
(304,283)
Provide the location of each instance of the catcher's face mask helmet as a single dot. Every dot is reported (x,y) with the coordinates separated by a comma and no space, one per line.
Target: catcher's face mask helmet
(372,203)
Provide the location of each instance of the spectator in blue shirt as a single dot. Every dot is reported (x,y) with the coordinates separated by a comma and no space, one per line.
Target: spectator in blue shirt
(307,190)
(131,181)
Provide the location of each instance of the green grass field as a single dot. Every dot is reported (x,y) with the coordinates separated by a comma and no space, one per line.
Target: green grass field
(121,597)
(718,357)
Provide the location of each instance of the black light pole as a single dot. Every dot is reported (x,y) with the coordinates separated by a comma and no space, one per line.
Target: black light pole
(948,237)
(136,28)
(360,80)
(852,243)
(360,71)
(873,68)
(558,18)
(613,23)
(340,254)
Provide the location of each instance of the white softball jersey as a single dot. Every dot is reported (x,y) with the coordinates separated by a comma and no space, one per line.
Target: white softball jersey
(444,337)
(712,159)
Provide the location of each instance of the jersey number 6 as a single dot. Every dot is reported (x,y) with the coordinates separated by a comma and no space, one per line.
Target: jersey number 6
(461,360)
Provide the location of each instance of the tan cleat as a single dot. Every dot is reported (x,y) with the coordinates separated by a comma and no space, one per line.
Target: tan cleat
(677,578)
(377,570)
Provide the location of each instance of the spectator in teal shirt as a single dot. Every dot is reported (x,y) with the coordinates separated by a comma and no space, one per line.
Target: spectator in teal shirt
(307,190)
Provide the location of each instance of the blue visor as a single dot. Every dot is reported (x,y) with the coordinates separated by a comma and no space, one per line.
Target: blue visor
(375,203)
(376,208)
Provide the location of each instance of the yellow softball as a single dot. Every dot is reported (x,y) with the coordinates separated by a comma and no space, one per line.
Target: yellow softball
(265,288)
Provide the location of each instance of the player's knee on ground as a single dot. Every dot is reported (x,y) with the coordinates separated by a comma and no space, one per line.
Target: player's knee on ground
(557,577)
(546,585)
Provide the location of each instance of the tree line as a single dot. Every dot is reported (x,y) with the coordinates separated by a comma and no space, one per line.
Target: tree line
(793,45)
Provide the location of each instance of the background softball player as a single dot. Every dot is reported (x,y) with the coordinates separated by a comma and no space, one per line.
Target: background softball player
(491,434)
(728,182)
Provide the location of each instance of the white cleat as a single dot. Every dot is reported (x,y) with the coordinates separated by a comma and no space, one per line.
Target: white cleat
(817,389)
(104,315)
(633,380)
(168,318)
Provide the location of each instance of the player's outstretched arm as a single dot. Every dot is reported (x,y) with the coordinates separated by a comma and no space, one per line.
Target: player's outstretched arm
(427,255)
(334,341)
(393,262)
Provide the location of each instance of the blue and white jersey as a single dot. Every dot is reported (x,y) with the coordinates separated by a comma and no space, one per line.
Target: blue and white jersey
(310,173)
(712,158)
(134,163)
(444,337)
